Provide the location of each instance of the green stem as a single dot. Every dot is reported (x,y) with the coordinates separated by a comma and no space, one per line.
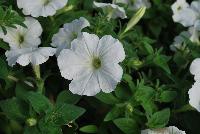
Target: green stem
(39,81)
(110,14)
(185,108)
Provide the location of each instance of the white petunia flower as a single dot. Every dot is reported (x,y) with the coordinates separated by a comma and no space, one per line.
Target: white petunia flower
(195,69)
(179,41)
(68,33)
(24,56)
(43,8)
(113,11)
(186,17)
(134,4)
(23,37)
(179,5)
(168,130)
(92,64)
(194,96)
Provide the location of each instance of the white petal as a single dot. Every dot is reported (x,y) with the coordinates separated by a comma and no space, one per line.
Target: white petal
(115,9)
(186,17)
(87,84)
(71,65)
(38,8)
(111,50)
(195,5)
(13,55)
(195,68)
(179,5)
(85,45)
(166,130)
(41,55)
(24,56)
(108,76)
(66,35)
(194,96)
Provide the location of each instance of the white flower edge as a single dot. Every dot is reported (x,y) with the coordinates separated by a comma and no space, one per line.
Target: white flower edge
(25,56)
(115,10)
(195,68)
(179,5)
(77,64)
(30,34)
(167,130)
(194,99)
(42,8)
(136,5)
(70,31)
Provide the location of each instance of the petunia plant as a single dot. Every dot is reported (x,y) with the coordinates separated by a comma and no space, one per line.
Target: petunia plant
(97,66)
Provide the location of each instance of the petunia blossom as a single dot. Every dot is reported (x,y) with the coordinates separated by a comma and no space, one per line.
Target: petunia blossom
(112,10)
(43,8)
(70,31)
(22,37)
(24,56)
(92,64)
(167,130)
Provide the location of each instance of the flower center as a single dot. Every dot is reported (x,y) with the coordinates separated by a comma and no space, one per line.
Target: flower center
(96,63)
(46,2)
(179,8)
(74,35)
(21,39)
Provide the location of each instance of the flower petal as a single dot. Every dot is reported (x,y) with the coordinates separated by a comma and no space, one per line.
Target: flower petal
(109,76)
(87,84)
(195,68)
(111,50)
(194,96)
(70,64)
(85,45)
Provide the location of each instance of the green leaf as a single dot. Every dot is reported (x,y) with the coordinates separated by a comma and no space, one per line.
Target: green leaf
(144,93)
(168,96)
(129,80)
(63,114)
(14,109)
(89,129)
(67,97)
(39,102)
(3,69)
(161,61)
(107,98)
(114,113)
(49,128)
(127,125)
(159,119)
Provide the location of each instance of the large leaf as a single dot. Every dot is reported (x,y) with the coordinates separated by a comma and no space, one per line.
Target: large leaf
(14,109)
(39,102)
(63,114)
(107,98)
(159,119)
(127,125)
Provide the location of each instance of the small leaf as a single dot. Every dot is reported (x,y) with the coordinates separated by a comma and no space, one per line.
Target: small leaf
(114,113)
(159,119)
(167,96)
(161,61)
(107,98)
(3,69)
(67,97)
(89,129)
(127,125)
(39,102)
